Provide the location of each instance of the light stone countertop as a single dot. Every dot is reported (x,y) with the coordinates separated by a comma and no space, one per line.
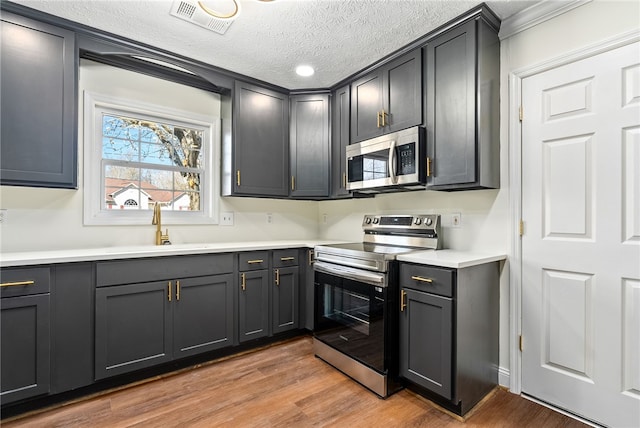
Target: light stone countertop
(442,258)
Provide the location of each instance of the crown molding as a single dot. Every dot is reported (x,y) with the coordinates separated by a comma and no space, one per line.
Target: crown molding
(536,14)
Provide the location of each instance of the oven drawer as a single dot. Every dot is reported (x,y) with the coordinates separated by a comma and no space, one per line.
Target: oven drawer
(427,278)
(253,260)
(284,258)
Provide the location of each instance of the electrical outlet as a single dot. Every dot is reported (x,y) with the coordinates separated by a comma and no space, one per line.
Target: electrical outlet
(456,220)
(226,218)
(3,216)
(324,218)
(269,218)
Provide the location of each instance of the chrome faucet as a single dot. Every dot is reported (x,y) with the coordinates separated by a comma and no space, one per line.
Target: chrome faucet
(157,220)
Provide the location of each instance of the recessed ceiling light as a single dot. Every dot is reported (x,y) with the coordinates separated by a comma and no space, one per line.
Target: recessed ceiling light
(305,70)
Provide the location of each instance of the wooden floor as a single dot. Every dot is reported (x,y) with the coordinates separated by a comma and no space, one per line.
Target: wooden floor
(280,386)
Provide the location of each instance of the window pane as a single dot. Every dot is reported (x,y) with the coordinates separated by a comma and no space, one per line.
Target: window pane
(186,201)
(126,150)
(156,178)
(119,127)
(187,181)
(158,154)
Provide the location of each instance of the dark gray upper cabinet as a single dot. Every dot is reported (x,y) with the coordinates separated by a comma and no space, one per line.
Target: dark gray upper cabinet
(38,142)
(24,334)
(463,102)
(388,99)
(340,114)
(260,164)
(309,145)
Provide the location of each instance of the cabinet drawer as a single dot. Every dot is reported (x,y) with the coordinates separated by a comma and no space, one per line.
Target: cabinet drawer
(24,281)
(428,279)
(161,268)
(254,260)
(284,258)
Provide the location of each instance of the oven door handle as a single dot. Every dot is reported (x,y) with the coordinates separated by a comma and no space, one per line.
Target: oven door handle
(372,278)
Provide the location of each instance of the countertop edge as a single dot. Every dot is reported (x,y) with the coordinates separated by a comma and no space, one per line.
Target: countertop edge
(451,258)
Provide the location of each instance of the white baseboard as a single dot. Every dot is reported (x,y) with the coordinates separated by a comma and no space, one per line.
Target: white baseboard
(503,377)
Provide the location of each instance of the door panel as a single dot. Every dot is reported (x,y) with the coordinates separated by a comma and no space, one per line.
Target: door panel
(581,246)
(254,305)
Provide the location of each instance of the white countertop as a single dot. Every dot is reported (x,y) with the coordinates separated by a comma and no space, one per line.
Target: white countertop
(30,258)
(442,258)
(451,258)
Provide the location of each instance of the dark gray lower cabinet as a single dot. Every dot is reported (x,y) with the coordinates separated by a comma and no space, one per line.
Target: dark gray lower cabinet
(425,341)
(285,299)
(449,332)
(25,337)
(142,325)
(133,327)
(202,319)
(253,309)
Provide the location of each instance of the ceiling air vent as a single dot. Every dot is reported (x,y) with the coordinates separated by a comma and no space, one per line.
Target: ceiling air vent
(190,11)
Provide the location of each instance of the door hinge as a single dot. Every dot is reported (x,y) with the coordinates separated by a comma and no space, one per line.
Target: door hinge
(520,344)
(521,228)
(521,113)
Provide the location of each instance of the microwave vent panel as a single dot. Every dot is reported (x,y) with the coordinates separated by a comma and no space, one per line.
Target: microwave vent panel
(191,12)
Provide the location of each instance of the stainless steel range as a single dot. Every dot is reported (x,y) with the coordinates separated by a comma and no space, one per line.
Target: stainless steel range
(356,297)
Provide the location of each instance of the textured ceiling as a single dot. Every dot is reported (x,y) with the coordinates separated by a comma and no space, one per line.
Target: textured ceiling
(269,39)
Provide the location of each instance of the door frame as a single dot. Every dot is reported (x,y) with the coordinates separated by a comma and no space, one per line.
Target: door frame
(515,79)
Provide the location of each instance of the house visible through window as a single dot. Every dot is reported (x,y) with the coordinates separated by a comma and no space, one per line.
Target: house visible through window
(145,162)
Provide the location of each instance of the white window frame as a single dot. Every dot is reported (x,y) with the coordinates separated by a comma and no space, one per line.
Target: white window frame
(95,212)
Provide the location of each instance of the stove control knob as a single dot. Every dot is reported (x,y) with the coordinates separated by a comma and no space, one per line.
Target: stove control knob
(417,221)
(376,220)
(429,221)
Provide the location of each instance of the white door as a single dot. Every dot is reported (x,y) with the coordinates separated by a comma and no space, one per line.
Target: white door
(581,242)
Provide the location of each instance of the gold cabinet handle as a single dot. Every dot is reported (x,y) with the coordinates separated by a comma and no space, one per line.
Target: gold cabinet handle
(310,254)
(378,119)
(403,303)
(277,276)
(256,261)
(384,115)
(421,279)
(178,290)
(428,166)
(169,290)
(238,177)
(293,183)
(243,281)
(17,284)
(344,180)
(287,259)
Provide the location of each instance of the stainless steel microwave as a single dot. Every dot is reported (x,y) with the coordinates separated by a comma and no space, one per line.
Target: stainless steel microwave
(391,162)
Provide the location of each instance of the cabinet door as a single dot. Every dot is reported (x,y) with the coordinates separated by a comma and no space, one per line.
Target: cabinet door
(340,113)
(38,106)
(25,347)
(253,310)
(261,141)
(202,314)
(133,327)
(403,92)
(309,149)
(426,341)
(451,106)
(366,105)
(285,299)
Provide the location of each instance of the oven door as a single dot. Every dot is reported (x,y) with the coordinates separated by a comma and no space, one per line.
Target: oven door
(350,317)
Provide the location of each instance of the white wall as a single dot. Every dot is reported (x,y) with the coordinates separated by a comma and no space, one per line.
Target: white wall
(47,219)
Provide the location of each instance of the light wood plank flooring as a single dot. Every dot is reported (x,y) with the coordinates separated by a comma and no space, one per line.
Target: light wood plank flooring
(279,386)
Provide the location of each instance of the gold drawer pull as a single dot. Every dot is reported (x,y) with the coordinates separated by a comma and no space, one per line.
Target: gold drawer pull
(421,279)
(16,284)
(287,259)
(277,276)
(243,284)
(403,303)
(169,290)
(253,262)
(178,290)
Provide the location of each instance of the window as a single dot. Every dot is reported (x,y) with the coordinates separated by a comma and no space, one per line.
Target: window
(138,155)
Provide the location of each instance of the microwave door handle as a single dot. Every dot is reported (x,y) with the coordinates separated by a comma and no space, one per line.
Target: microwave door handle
(392,162)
